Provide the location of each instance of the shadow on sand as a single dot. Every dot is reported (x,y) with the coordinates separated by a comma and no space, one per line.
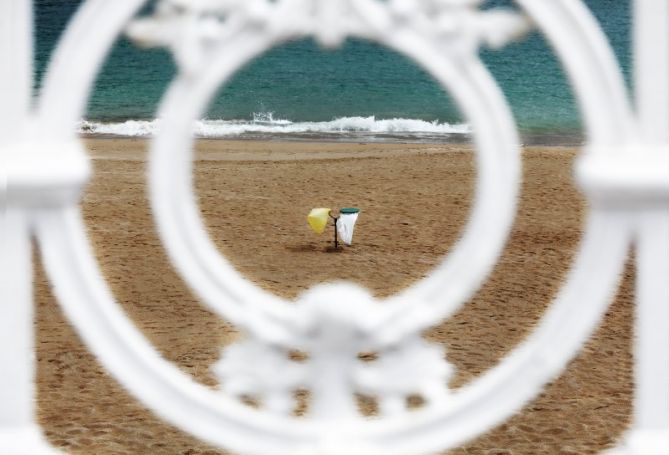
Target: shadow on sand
(309,248)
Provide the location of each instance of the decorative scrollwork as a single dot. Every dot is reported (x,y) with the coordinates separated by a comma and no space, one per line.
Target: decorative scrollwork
(332,366)
(189,29)
(262,372)
(334,327)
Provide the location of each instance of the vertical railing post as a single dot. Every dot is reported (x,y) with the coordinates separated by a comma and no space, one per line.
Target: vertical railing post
(651,51)
(16,322)
(650,433)
(19,434)
(15,67)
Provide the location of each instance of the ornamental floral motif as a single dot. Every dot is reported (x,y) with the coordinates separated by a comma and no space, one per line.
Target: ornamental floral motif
(332,338)
(191,28)
(261,372)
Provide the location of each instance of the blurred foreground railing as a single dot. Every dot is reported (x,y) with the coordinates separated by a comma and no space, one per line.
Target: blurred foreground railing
(623,171)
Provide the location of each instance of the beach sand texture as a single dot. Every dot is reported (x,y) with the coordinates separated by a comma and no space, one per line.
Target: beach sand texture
(254,197)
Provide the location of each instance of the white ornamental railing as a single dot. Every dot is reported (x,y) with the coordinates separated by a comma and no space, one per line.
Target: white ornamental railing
(624,172)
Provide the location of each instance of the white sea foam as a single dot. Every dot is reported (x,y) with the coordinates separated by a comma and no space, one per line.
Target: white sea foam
(266,124)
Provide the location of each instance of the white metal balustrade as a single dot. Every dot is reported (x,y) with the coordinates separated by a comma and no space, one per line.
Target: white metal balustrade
(623,170)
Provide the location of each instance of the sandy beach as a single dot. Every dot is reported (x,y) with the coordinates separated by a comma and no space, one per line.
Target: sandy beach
(254,197)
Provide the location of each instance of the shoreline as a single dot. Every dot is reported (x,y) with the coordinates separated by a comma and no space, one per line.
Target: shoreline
(224,150)
(527,138)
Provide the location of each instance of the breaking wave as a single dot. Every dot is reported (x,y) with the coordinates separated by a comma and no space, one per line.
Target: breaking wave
(265,124)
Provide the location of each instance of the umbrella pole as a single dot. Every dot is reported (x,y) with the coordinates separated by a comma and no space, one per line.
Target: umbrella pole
(335,233)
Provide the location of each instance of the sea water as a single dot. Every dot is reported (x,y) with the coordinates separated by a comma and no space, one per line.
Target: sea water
(359,92)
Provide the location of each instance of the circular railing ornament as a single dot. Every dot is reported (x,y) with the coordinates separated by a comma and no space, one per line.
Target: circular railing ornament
(332,324)
(178,218)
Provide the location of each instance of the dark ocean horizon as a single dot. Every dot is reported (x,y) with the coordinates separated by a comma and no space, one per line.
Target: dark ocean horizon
(360,91)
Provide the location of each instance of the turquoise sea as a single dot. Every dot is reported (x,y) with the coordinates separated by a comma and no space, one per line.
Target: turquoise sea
(358,92)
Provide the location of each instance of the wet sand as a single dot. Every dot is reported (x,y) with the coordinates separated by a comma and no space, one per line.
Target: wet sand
(254,197)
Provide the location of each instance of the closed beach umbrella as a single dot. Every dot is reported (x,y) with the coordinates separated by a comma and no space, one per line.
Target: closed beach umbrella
(346,223)
(318,219)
